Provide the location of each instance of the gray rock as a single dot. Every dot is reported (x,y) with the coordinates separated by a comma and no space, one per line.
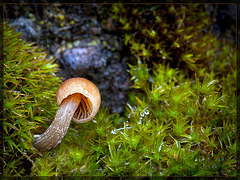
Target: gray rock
(26,26)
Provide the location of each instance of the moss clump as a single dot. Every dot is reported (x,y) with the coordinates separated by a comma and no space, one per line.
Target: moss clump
(168,34)
(194,121)
(175,126)
(29,99)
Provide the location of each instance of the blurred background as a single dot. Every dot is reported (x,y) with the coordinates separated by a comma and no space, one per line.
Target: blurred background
(87,42)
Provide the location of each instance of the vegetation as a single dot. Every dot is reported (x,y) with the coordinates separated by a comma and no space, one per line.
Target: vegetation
(184,130)
(168,34)
(29,99)
(181,115)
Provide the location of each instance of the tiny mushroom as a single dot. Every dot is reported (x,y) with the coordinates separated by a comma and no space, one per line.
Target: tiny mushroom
(79,100)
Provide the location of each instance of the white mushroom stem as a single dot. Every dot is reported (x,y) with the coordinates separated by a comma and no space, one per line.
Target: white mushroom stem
(58,129)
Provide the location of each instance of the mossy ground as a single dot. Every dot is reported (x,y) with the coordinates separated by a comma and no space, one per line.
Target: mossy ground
(180,120)
(29,99)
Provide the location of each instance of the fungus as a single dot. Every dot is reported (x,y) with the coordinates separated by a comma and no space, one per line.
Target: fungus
(79,100)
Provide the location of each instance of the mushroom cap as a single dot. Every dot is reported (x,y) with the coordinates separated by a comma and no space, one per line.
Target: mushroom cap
(90,92)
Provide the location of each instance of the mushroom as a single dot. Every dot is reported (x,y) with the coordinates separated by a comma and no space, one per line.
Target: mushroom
(79,100)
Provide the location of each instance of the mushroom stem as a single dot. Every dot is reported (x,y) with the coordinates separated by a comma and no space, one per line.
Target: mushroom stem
(58,129)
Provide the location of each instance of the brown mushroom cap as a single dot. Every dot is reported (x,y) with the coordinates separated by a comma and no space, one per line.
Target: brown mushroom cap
(90,101)
(79,100)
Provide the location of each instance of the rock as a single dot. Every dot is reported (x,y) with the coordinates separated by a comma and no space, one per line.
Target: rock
(79,59)
(27,27)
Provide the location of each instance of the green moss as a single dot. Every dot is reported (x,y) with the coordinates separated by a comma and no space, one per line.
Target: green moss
(200,117)
(174,127)
(168,34)
(29,99)
(174,124)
